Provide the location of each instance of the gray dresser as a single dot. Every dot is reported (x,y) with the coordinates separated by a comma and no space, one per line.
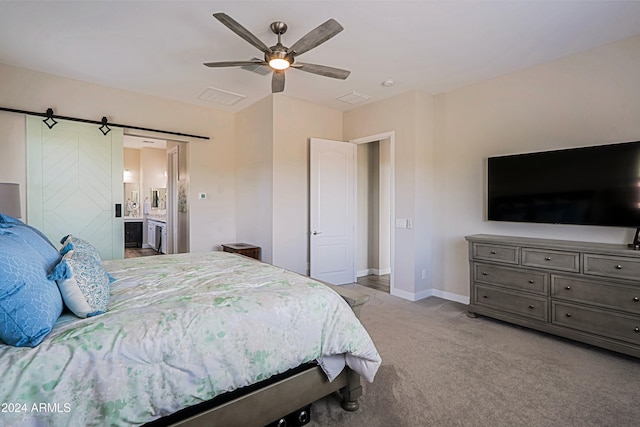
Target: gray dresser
(589,292)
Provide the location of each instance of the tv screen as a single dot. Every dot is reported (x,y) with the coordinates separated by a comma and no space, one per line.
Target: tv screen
(597,185)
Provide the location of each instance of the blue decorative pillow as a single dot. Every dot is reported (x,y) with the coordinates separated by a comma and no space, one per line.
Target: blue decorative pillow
(32,237)
(29,303)
(6,219)
(83,282)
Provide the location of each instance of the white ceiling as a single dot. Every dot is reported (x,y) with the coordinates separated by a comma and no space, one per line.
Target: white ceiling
(158,48)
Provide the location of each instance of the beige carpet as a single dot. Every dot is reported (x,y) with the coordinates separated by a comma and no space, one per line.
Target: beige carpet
(441,368)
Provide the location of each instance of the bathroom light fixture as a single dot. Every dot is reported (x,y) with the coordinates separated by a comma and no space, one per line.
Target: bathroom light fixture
(105,129)
(50,121)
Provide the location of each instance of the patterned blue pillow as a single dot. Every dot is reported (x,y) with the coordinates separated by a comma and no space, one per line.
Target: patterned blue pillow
(29,303)
(83,282)
(34,238)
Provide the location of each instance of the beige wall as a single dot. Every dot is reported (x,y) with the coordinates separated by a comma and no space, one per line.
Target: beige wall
(441,146)
(131,162)
(153,169)
(409,116)
(373,208)
(210,162)
(295,122)
(254,176)
(272,155)
(367,239)
(585,99)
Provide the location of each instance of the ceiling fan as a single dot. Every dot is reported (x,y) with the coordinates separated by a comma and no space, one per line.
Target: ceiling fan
(279,57)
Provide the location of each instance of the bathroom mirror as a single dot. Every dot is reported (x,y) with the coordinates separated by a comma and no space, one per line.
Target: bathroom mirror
(131,199)
(159,198)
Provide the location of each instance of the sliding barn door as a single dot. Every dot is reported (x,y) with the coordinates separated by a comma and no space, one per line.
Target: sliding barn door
(74,181)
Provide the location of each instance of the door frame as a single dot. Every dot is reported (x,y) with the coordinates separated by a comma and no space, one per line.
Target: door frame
(172,199)
(390,136)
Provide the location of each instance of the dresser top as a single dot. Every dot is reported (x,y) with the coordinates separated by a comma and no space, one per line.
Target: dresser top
(567,245)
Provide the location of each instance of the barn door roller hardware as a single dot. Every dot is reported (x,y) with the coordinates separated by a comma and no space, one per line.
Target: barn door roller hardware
(50,121)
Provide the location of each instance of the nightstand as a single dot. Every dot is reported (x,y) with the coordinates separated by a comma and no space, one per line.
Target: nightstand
(243,249)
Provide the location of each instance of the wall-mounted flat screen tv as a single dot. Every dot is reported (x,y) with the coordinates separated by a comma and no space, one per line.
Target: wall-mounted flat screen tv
(597,185)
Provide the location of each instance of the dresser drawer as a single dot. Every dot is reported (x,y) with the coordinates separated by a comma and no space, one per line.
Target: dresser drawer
(612,266)
(602,294)
(518,279)
(513,302)
(497,253)
(594,321)
(554,260)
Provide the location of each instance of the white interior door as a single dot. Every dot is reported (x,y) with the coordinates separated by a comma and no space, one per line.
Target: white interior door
(74,181)
(332,211)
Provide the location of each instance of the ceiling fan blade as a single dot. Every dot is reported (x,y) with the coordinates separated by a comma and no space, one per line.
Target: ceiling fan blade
(277,81)
(323,70)
(234,26)
(317,36)
(234,63)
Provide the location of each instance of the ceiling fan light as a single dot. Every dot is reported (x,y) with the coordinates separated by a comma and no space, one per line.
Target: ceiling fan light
(279,64)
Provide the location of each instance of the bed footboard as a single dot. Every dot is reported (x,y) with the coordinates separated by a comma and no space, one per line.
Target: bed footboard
(268,404)
(354,298)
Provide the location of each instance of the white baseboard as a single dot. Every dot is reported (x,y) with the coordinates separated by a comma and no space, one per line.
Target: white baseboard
(410,295)
(374,272)
(430,293)
(451,297)
(362,273)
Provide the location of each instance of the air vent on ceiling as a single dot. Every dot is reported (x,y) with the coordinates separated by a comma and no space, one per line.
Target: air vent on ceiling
(220,96)
(258,69)
(353,97)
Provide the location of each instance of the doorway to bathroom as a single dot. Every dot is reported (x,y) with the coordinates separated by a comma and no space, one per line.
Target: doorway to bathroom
(154,223)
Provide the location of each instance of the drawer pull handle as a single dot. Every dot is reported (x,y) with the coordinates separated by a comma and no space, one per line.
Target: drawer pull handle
(532,281)
(493,252)
(636,330)
(484,296)
(618,267)
(568,314)
(531,307)
(568,287)
(484,273)
(636,299)
(547,258)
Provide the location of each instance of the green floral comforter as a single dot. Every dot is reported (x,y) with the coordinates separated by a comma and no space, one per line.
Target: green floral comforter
(179,330)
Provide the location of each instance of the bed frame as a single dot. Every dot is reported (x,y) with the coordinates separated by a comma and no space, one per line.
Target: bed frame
(273,401)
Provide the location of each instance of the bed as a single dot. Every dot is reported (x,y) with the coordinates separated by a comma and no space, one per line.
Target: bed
(209,338)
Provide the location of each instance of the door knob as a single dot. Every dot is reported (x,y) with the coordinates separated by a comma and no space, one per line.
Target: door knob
(316,232)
